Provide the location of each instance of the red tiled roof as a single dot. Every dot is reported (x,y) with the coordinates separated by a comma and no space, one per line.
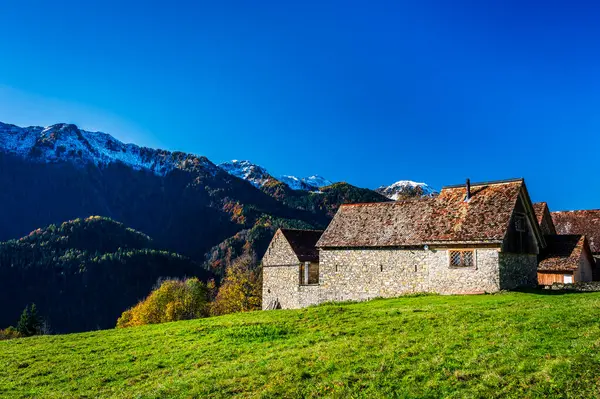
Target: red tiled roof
(580,222)
(446,218)
(303,243)
(542,213)
(563,252)
(539,208)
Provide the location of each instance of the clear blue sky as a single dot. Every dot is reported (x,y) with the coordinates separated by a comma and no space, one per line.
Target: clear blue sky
(367,92)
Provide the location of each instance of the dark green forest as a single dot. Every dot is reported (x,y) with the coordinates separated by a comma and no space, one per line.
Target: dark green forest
(82,274)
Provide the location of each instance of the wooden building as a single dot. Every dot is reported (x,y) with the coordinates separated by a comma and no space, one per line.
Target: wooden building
(584,222)
(566,259)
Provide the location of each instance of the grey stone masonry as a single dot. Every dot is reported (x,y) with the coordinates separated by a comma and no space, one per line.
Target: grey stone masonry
(517,270)
(357,274)
(360,274)
(280,267)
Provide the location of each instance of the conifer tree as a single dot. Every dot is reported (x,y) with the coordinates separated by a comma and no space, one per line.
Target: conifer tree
(30,322)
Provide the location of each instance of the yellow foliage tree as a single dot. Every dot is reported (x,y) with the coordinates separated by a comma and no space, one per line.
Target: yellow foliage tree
(9,333)
(173,300)
(241,290)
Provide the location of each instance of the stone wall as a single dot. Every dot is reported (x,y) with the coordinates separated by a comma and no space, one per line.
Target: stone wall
(279,252)
(517,270)
(280,267)
(361,274)
(585,286)
(482,277)
(358,274)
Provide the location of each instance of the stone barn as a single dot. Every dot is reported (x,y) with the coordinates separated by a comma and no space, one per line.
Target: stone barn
(291,269)
(468,239)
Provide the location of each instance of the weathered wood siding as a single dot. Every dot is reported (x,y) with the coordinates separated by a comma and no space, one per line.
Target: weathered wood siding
(549,278)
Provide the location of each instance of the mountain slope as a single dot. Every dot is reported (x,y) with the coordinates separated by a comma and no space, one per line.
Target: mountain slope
(66,142)
(83,273)
(185,202)
(188,209)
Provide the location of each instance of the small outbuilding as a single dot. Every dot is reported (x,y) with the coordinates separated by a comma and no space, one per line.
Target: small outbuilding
(566,259)
(584,222)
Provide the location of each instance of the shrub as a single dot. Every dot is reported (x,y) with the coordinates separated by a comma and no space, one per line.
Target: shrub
(173,300)
(9,333)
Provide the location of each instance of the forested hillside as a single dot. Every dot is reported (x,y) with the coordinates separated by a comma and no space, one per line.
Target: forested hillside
(189,210)
(83,274)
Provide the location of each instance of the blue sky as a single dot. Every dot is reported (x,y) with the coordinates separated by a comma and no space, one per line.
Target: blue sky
(365,92)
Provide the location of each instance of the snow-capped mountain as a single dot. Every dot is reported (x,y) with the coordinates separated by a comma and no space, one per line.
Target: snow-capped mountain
(311,183)
(258,176)
(406,188)
(317,181)
(66,142)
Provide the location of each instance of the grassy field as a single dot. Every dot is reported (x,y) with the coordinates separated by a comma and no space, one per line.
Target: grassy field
(522,345)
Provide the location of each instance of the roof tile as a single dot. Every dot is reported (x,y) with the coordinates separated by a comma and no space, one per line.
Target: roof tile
(445,218)
(580,222)
(563,252)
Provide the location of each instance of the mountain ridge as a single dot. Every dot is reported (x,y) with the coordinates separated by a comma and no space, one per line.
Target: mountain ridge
(67,142)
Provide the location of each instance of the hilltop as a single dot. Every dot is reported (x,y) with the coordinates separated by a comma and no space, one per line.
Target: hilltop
(534,345)
(82,274)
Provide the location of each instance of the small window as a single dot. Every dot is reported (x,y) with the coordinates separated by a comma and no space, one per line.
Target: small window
(309,273)
(462,258)
(520,224)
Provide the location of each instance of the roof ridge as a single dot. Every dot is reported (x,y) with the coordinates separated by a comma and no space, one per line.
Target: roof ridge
(292,229)
(487,183)
(390,203)
(578,210)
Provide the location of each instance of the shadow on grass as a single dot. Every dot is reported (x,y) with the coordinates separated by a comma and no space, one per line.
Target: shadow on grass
(542,291)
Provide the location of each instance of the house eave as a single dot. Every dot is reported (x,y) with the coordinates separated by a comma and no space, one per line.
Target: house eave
(494,243)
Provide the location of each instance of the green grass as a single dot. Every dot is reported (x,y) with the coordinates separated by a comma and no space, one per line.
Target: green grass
(521,345)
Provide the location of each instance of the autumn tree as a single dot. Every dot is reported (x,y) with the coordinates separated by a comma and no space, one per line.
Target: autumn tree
(9,333)
(241,289)
(173,300)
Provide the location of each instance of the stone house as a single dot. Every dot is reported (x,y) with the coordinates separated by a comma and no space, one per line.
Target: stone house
(468,239)
(292,260)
